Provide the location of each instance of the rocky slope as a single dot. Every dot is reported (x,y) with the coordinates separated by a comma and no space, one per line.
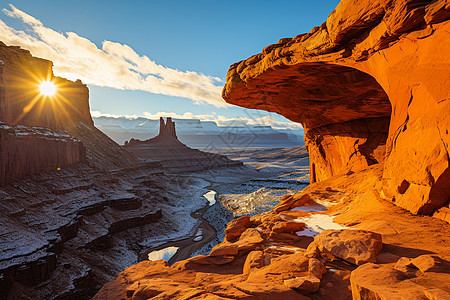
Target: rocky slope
(370,87)
(75,207)
(57,225)
(370,84)
(274,256)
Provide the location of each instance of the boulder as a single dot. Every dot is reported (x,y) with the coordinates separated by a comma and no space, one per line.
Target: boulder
(255,259)
(404,264)
(280,268)
(312,251)
(431,263)
(371,281)
(236,227)
(248,241)
(316,268)
(290,201)
(355,246)
(288,227)
(224,249)
(309,284)
(443,213)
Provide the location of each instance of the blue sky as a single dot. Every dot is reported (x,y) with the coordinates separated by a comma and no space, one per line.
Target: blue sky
(200,36)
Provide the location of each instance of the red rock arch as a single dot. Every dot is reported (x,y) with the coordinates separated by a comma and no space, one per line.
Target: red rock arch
(398,50)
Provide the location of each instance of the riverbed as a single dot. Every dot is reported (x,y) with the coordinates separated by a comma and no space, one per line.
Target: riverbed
(214,197)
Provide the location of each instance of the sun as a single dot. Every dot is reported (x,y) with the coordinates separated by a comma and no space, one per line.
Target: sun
(47,88)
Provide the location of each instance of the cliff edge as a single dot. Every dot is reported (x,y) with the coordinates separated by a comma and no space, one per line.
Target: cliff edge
(371,84)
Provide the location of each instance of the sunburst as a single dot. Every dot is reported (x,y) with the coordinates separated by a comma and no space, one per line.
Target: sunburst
(47,88)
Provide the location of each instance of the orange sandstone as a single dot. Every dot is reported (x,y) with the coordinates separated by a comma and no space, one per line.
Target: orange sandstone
(371,84)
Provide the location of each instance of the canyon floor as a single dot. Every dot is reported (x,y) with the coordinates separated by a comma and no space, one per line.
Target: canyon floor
(105,221)
(336,239)
(268,174)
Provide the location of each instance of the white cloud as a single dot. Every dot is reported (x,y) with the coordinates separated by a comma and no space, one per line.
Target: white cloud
(220,120)
(115,65)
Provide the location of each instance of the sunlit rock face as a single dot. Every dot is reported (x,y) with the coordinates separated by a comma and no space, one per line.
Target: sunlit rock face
(371,84)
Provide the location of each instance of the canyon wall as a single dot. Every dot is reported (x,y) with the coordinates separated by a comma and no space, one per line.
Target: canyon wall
(32,136)
(40,133)
(369,85)
(29,150)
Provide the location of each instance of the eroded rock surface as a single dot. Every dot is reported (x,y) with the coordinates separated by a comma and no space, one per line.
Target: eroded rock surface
(355,246)
(257,264)
(372,281)
(371,84)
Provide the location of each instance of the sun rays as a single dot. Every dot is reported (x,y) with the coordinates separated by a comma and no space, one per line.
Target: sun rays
(47,88)
(46,97)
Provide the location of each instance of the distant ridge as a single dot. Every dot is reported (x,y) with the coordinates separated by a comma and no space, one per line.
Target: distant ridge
(173,155)
(200,134)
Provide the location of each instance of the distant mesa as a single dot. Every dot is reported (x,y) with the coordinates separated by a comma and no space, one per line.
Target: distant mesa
(173,155)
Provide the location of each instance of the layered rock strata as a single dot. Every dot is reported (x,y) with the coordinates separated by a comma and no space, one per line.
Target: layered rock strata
(67,232)
(370,84)
(29,150)
(71,198)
